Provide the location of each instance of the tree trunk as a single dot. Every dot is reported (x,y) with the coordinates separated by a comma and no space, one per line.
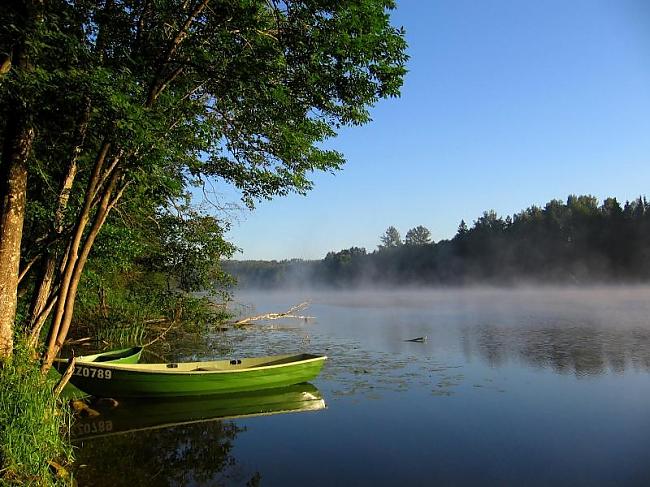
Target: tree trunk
(71,256)
(43,297)
(13,174)
(99,193)
(74,267)
(103,305)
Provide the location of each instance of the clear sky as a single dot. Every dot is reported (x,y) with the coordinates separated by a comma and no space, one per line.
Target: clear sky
(507,103)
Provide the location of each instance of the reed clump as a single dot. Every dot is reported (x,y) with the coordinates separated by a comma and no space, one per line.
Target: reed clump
(34,425)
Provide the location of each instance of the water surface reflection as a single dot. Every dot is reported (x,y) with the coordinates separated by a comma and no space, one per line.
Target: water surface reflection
(512,387)
(581,350)
(183,441)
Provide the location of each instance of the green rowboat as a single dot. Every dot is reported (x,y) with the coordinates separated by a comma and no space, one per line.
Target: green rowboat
(133,415)
(194,378)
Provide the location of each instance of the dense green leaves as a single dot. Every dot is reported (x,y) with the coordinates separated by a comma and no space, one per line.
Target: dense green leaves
(175,92)
(246,95)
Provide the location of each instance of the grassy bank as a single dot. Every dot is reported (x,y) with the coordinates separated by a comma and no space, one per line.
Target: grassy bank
(33,426)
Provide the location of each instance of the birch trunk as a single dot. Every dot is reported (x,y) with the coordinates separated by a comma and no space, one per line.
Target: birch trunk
(13,175)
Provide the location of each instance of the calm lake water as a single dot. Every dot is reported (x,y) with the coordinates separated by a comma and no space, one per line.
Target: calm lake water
(512,387)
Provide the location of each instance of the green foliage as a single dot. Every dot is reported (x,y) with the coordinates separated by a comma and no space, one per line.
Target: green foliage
(344,266)
(239,92)
(246,97)
(31,424)
(270,274)
(573,242)
(186,248)
(129,308)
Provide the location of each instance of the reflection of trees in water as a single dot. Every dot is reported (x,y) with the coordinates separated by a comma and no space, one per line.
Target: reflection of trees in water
(583,350)
(193,454)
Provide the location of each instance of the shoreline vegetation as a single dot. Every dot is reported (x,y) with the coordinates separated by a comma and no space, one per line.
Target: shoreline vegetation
(577,242)
(34,425)
(117,122)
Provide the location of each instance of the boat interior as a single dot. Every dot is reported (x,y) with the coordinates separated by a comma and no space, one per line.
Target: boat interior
(221,365)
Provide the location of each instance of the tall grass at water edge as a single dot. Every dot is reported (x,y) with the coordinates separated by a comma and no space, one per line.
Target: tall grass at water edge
(34,425)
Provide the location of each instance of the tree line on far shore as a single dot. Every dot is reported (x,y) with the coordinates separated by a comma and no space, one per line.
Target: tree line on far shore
(575,242)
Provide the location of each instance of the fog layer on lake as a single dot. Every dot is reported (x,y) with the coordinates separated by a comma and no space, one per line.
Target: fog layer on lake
(529,386)
(532,386)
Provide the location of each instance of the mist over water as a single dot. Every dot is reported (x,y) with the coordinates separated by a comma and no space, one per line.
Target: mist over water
(529,386)
(582,331)
(535,386)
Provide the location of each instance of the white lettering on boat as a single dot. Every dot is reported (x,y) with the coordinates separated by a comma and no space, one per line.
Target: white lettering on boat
(92,372)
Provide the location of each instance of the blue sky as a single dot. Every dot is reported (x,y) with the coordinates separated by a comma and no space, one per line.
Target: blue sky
(507,103)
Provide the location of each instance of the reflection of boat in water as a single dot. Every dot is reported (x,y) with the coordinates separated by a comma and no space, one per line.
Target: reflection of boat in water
(136,415)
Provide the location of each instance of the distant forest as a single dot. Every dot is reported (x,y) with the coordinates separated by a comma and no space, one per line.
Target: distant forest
(576,242)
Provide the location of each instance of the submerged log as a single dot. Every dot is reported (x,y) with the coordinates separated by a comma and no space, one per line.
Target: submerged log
(418,339)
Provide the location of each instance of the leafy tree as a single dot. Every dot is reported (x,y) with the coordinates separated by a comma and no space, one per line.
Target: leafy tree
(418,236)
(187,246)
(489,222)
(390,239)
(119,106)
(346,266)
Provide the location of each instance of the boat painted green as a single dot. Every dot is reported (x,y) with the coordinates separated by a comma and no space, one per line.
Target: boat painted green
(122,356)
(195,378)
(134,415)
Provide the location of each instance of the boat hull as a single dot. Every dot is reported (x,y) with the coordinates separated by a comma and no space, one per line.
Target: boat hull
(195,379)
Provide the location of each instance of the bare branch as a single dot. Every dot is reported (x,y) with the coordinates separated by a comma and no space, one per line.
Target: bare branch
(290,313)
(160,82)
(27,267)
(66,377)
(162,334)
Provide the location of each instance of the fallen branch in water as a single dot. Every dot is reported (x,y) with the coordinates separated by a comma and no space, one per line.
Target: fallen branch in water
(290,313)
(162,335)
(79,341)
